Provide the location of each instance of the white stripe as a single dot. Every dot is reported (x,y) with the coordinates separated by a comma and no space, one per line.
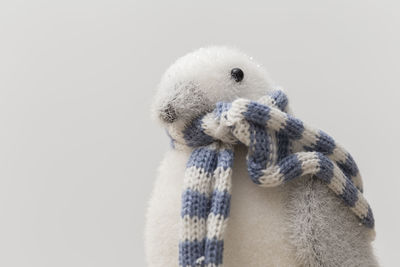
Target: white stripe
(216,225)
(358,181)
(277,120)
(235,113)
(338,182)
(273,149)
(308,138)
(267,101)
(361,206)
(271,177)
(212,127)
(338,155)
(309,162)
(197,179)
(193,228)
(223,179)
(241,132)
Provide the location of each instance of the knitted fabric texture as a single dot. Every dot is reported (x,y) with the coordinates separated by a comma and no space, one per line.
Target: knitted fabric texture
(280,148)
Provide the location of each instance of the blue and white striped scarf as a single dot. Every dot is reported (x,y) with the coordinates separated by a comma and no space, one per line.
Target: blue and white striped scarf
(280,148)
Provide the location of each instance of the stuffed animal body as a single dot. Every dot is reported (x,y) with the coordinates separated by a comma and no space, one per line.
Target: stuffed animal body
(300,223)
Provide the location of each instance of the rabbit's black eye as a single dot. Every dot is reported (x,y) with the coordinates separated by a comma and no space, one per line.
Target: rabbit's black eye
(237,74)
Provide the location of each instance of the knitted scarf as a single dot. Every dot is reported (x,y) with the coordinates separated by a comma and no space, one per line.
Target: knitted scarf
(280,148)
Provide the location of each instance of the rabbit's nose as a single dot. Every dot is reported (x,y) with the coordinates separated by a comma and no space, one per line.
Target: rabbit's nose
(168,114)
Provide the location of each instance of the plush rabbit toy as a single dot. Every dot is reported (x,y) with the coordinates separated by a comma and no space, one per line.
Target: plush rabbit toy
(293,196)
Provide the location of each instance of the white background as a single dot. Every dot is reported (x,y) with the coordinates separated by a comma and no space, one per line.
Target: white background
(78,152)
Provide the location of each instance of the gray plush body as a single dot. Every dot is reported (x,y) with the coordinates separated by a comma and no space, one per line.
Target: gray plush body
(323,231)
(302,223)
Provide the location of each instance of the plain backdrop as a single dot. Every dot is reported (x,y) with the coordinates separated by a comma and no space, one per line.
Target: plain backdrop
(79,153)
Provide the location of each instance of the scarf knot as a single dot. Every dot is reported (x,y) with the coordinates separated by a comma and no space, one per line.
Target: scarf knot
(280,148)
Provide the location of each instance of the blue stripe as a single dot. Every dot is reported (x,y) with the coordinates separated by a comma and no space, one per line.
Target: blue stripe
(214,251)
(349,167)
(220,203)
(283,144)
(280,98)
(204,158)
(326,168)
(325,144)
(369,219)
(294,128)
(194,134)
(190,251)
(199,205)
(225,159)
(257,113)
(222,107)
(259,151)
(195,204)
(290,167)
(349,194)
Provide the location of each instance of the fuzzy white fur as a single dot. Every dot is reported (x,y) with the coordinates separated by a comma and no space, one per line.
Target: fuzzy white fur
(195,82)
(299,224)
(255,231)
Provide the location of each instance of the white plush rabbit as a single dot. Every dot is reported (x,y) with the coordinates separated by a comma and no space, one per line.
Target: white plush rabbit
(301,223)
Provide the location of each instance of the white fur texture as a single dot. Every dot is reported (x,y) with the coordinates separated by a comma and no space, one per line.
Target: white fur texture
(255,230)
(195,82)
(299,224)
